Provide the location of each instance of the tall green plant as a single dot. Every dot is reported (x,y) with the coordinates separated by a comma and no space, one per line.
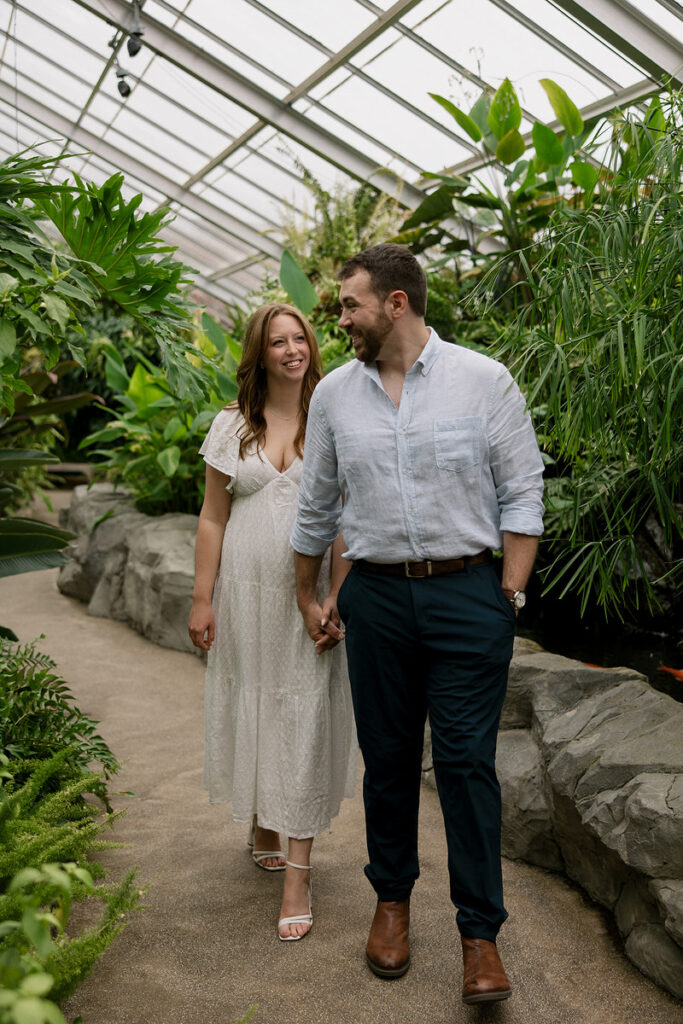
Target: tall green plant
(125,260)
(151,444)
(112,250)
(598,354)
(534,179)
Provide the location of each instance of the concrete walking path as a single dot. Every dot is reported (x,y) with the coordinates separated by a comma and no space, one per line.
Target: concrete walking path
(205,948)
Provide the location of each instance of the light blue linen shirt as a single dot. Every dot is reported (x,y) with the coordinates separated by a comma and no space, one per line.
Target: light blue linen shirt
(440,477)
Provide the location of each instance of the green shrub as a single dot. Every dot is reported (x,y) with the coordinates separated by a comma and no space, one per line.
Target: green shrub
(38,716)
(152,444)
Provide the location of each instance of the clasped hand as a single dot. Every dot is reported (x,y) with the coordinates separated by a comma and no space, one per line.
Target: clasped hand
(323,624)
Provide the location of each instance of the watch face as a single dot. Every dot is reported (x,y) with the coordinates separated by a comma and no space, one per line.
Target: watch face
(519,599)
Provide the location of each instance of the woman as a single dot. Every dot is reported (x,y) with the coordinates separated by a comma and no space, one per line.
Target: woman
(280,742)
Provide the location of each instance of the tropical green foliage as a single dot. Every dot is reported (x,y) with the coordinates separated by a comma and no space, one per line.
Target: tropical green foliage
(110,250)
(26,544)
(125,261)
(43,291)
(597,351)
(152,443)
(38,716)
(534,181)
(50,825)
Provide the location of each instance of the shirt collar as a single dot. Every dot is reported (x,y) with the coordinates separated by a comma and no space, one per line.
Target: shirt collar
(425,360)
(429,353)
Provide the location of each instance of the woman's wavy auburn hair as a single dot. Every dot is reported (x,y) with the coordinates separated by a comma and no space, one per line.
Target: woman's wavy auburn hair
(252,381)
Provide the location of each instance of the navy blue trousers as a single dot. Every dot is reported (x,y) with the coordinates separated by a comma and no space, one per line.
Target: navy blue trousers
(442,646)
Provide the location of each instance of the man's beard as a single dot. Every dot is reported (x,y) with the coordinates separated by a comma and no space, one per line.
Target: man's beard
(372,339)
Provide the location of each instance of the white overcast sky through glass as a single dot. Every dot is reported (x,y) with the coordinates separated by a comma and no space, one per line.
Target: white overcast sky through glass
(231,178)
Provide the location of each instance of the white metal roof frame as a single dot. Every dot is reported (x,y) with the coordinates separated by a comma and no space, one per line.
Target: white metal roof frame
(218,121)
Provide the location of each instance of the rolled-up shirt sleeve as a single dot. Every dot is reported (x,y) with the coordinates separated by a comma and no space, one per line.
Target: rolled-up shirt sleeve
(515,460)
(317,521)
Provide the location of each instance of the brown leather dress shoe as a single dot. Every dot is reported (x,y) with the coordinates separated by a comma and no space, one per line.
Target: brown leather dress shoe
(387,951)
(484,979)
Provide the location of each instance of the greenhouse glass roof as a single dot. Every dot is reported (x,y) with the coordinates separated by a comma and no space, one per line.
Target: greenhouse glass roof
(227,99)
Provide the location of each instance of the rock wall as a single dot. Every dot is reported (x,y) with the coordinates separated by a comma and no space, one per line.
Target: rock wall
(589,760)
(130,566)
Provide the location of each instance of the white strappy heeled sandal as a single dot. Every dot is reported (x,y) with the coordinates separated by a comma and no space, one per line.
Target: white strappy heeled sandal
(300,918)
(258,856)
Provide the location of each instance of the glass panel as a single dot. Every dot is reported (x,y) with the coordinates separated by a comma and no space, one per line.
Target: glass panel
(321,115)
(271,178)
(427,74)
(226,246)
(224,202)
(506,49)
(378,45)
(335,32)
(145,155)
(185,156)
(37,92)
(293,155)
(662,17)
(252,32)
(40,70)
(391,125)
(248,196)
(562,27)
(66,52)
(177,85)
(159,13)
(258,76)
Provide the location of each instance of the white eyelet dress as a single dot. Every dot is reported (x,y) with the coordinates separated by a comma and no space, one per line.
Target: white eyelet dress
(280,738)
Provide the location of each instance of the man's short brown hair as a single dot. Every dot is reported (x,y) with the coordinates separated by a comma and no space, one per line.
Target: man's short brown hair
(391,268)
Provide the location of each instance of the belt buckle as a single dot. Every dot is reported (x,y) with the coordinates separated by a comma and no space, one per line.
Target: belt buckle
(424,570)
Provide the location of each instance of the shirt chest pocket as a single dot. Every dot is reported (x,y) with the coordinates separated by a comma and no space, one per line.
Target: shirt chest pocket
(457,443)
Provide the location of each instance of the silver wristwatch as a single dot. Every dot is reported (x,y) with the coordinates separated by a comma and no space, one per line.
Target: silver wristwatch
(517,598)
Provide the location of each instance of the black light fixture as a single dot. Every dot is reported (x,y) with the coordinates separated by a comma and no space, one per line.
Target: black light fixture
(122,85)
(134,44)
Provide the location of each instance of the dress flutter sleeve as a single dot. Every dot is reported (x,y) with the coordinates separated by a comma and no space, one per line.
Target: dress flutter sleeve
(221,446)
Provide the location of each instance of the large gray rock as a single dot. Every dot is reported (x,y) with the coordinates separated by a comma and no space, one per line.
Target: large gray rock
(131,567)
(586,745)
(158,579)
(653,951)
(595,867)
(526,827)
(669,895)
(642,823)
(542,685)
(90,502)
(636,906)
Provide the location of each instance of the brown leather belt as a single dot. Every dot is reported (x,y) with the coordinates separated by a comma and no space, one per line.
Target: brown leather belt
(421,570)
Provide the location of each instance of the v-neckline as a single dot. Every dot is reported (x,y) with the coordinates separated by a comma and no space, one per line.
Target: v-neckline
(280,472)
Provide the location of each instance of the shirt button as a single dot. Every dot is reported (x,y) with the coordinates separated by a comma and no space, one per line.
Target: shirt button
(405,471)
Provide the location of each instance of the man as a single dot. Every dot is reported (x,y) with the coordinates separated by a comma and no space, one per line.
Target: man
(433,452)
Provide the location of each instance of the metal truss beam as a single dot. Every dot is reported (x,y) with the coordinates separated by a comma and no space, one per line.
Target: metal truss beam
(212,72)
(513,11)
(235,268)
(257,101)
(243,233)
(632,33)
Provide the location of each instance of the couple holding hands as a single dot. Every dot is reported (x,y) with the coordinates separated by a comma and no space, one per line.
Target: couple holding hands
(419,460)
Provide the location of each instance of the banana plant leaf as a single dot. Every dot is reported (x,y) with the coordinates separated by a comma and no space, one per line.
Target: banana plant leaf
(27,545)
